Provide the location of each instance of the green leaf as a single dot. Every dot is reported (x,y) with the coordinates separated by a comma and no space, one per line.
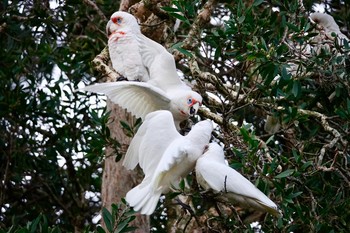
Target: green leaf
(128,229)
(306,165)
(180,17)
(170,9)
(108,219)
(257,2)
(245,134)
(294,195)
(178,47)
(241,19)
(296,88)
(33,225)
(125,125)
(100,229)
(123,225)
(284,174)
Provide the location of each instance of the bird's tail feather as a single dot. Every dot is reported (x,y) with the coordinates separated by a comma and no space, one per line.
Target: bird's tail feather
(143,198)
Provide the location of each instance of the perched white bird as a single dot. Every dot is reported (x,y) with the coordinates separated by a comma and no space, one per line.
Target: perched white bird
(123,46)
(165,157)
(328,24)
(213,173)
(163,91)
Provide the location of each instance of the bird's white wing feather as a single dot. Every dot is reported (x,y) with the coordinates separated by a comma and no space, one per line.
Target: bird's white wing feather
(155,134)
(137,97)
(160,63)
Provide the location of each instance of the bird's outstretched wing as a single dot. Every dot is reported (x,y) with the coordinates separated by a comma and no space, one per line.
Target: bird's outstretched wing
(151,140)
(139,98)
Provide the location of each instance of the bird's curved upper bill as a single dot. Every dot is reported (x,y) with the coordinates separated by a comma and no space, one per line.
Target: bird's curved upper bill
(108,28)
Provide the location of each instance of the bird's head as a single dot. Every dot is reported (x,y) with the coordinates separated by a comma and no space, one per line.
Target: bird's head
(324,20)
(189,104)
(122,22)
(215,151)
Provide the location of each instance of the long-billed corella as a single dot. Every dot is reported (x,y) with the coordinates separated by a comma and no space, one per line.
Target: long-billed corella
(214,174)
(161,88)
(164,155)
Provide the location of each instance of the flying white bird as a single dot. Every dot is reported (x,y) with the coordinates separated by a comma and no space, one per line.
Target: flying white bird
(123,46)
(163,91)
(213,173)
(165,157)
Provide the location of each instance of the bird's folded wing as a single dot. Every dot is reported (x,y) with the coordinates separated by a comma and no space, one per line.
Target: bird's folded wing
(212,172)
(221,177)
(151,140)
(170,164)
(138,98)
(160,63)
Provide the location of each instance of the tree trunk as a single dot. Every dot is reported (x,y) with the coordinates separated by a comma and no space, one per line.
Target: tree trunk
(117,181)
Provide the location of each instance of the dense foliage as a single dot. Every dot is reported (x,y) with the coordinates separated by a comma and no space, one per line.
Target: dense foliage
(283,113)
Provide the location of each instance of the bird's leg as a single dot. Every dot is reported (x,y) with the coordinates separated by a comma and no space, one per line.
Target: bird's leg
(225,184)
(184,206)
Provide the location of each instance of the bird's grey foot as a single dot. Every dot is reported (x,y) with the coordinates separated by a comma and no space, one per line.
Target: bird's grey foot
(122,78)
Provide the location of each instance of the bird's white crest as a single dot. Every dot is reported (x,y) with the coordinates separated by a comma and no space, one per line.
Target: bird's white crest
(164,155)
(133,53)
(214,174)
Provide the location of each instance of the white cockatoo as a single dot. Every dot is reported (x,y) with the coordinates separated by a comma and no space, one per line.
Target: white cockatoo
(164,155)
(123,46)
(213,173)
(141,98)
(328,24)
(163,91)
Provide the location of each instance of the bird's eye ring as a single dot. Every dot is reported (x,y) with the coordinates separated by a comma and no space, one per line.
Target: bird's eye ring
(117,20)
(189,101)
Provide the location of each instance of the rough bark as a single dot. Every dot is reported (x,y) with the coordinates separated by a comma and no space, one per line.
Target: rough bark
(117,181)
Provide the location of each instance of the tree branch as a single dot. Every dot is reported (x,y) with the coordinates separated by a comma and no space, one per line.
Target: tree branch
(328,128)
(96,8)
(100,65)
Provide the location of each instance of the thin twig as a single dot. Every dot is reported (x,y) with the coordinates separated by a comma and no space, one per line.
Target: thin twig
(328,128)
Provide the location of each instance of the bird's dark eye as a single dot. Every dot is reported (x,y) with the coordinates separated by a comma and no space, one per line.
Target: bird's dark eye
(117,20)
(189,101)
(192,110)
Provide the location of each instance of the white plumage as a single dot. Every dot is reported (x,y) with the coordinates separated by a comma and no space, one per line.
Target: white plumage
(165,157)
(123,46)
(328,24)
(163,89)
(214,174)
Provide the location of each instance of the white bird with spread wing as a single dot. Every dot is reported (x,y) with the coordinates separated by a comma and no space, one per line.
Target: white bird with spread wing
(163,91)
(164,155)
(214,174)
